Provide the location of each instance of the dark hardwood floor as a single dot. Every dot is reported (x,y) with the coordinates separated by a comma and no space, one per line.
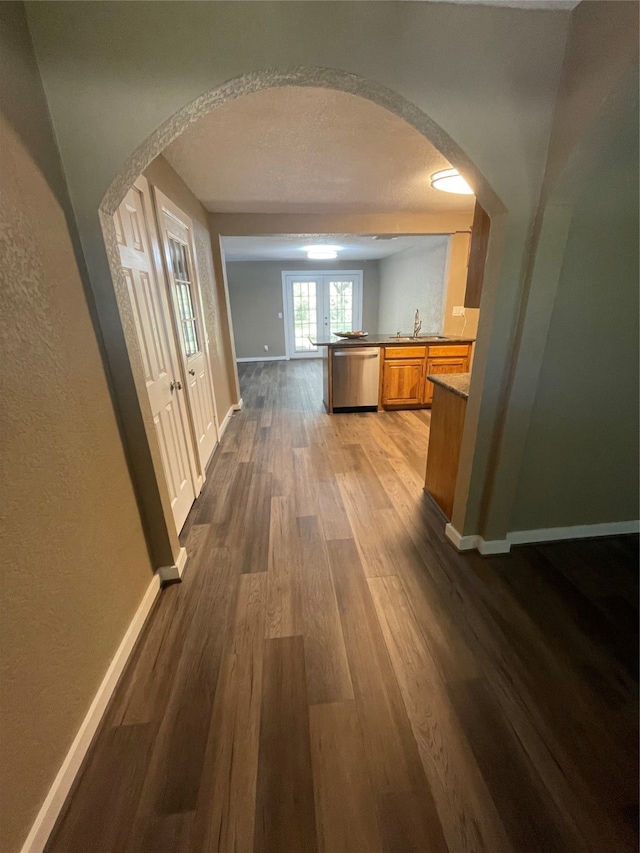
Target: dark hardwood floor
(332,676)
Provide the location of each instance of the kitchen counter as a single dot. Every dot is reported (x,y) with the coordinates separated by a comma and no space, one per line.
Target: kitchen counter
(458,383)
(391,341)
(407,367)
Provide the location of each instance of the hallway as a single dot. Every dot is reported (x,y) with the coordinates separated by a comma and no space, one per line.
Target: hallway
(332,676)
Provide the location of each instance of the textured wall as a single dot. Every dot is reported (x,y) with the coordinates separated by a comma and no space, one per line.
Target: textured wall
(255,293)
(414,278)
(161,175)
(456,288)
(75,558)
(581,457)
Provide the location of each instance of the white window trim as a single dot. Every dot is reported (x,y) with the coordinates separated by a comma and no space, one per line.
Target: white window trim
(357,275)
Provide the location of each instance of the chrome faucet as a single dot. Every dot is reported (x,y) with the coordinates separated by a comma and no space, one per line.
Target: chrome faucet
(417,324)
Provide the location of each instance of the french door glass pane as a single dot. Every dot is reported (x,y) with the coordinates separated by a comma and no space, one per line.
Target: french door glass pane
(178,252)
(341,306)
(305,315)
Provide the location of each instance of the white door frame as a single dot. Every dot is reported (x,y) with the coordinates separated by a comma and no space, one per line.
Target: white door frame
(356,275)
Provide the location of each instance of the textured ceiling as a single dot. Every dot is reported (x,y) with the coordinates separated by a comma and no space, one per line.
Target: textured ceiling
(289,247)
(310,150)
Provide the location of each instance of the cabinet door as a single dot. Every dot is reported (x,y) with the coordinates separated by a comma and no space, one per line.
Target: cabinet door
(403,382)
(443,364)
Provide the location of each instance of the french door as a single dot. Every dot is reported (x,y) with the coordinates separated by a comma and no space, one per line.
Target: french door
(176,234)
(138,243)
(317,305)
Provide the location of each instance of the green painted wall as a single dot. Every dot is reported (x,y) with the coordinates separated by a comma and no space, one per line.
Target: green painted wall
(581,456)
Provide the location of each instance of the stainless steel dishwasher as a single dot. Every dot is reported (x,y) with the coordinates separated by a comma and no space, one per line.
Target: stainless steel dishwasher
(356,377)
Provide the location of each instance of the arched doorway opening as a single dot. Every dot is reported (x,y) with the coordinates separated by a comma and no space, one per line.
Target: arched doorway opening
(158,141)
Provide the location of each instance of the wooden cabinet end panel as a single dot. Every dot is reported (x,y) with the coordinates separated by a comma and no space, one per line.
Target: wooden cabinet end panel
(445,441)
(477,257)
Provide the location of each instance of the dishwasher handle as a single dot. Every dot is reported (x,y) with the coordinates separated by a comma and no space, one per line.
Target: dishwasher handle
(358,353)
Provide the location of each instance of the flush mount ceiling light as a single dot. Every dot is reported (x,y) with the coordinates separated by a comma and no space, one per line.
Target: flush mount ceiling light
(450,181)
(322,253)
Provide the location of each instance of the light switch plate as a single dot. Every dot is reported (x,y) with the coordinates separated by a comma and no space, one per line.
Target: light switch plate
(458,310)
(279,315)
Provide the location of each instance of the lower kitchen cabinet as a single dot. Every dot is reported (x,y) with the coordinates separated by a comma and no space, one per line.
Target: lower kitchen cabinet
(452,359)
(403,382)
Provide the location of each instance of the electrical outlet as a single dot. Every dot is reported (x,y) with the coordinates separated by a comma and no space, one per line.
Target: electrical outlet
(266,347)
(458,311)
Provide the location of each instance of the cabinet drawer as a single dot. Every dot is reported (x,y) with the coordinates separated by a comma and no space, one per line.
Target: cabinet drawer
(405,352)
(462,349)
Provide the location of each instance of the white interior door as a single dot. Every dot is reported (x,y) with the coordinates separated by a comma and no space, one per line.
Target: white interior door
(177,238)
(136,235)
(317,305)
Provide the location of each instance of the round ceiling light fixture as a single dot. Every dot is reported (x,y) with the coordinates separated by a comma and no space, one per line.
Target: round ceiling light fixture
(450,181)
(322,253)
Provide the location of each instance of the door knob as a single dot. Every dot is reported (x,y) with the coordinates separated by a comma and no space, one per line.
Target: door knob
(176,385)
(192,373)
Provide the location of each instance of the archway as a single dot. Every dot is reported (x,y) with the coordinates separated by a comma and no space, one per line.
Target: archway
(173,127)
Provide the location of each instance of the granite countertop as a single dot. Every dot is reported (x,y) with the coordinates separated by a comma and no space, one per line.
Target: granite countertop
(391,341)
(457,383)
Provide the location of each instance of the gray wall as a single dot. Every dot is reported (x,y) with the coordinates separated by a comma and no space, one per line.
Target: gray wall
(73,549)
(581,457)
(255,293)
(414,278)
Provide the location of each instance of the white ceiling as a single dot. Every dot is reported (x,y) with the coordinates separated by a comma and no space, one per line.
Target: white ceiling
(289,247)
(310,150)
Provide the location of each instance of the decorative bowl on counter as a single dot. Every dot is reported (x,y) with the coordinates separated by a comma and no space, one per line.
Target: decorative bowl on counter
(351,334)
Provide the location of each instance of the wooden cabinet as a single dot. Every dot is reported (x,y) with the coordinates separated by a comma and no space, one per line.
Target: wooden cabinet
(403,376)
(477,257)
(403,382)
(445,359)
(445,441)
(405,368)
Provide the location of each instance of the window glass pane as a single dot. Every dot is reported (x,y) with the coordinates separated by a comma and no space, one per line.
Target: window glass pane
(173,251)
(341,306)
(183,262)
(190,340)
(304,315)
(184,297)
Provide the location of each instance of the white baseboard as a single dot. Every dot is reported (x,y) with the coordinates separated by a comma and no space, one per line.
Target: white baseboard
(469,543)
(237,406)
(493,546)
(579,531)
(462,543)
(54,801)
(225,423)
(173,573)
(530,537)
(266,358)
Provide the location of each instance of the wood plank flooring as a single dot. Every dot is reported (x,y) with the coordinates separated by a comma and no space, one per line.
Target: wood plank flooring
(332,677)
